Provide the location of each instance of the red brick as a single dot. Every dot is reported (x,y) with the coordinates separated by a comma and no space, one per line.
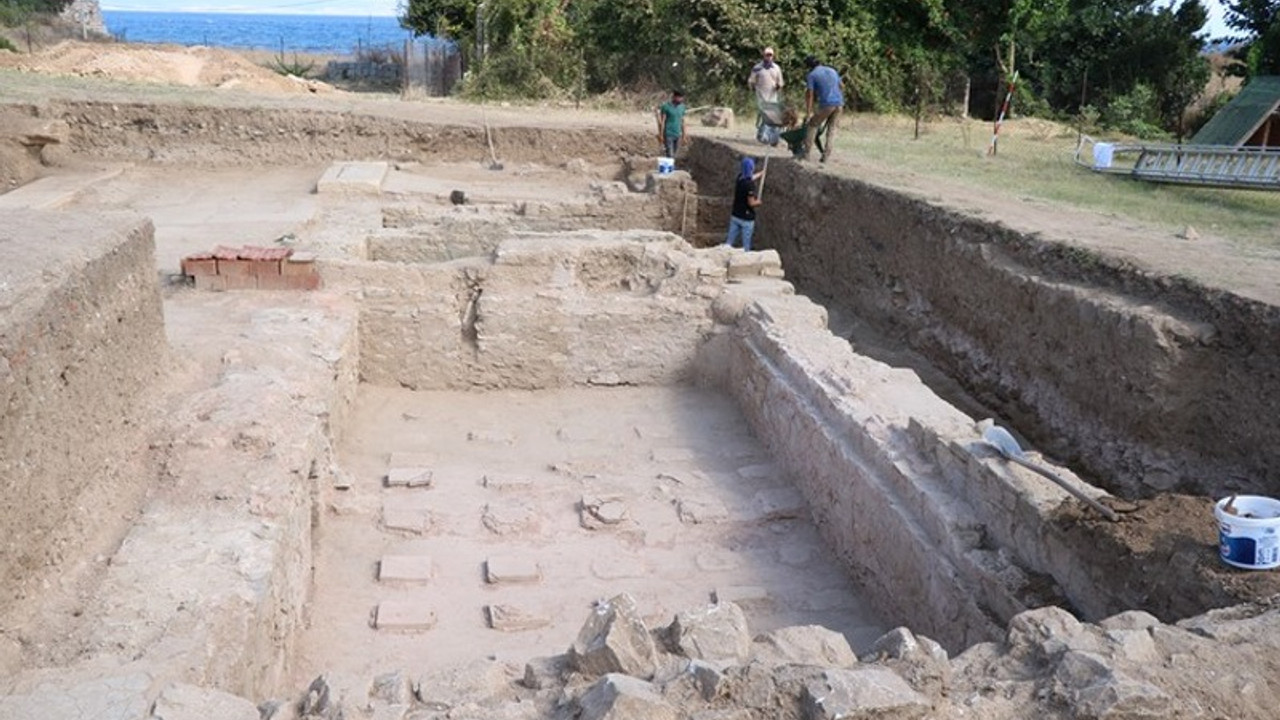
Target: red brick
(289,282)
(222,252)
(197,266)
(276,253)
(211,282)
(293,267)
(235,267)
(264,267)
(241,282)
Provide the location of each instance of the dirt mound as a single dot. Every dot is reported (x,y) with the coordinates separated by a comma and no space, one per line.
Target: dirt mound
(160,64)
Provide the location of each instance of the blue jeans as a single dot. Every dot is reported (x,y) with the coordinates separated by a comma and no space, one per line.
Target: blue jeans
(671,144)
(738,226)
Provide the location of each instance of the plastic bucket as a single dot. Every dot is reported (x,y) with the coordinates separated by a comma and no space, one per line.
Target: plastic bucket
(666,165)
(1102,155)
(1249,538)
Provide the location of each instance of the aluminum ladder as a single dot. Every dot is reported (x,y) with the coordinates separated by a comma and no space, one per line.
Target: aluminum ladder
(1215,165)
(1205,165)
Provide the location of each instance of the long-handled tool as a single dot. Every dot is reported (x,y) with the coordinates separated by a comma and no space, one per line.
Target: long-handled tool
(1005,444)
(764,175)
(493,157)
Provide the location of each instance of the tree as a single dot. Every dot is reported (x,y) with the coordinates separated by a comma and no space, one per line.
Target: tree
(17,12)
(1258,22)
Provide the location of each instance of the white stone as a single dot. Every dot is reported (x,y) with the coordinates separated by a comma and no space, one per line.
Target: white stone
(404,616)
(404,568)
(409,477)
(505,569)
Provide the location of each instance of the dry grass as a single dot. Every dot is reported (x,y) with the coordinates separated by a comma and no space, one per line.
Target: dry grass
(1035,161)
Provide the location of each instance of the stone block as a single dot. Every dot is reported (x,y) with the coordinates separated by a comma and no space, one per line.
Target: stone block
(409,477)
(614,639)
(188,702)
(700,510)
(353,178)
(486,683)
(601,511)
(708,678)
(804,645)
(393,688)
(504,570)
(403,519)
(717,633)
(403,616)
(721,117)
(864,692)
(510,519)
(509,618)
(405,568)
(545,672)
(621,697)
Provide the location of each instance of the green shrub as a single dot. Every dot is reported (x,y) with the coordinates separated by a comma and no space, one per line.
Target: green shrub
(1136,113)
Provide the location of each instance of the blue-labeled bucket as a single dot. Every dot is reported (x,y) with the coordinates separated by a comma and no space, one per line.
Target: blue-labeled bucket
(666,165)
(1249,533)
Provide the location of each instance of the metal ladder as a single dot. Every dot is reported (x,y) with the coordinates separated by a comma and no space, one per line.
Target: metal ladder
(1222,166)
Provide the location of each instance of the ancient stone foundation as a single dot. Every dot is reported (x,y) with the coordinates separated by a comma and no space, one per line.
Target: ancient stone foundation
(184,491)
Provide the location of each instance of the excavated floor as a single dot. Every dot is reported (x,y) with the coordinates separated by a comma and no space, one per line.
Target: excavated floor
(501,555)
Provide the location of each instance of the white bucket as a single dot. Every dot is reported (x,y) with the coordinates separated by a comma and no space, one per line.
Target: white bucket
(1250,538)
(666,165)
(1102,155)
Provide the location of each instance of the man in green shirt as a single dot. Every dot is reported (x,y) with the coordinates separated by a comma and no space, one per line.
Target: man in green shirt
(671,123)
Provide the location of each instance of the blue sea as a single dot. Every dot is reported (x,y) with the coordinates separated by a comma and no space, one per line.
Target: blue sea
(319,34)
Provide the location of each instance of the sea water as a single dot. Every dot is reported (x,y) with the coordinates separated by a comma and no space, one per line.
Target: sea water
(316,34)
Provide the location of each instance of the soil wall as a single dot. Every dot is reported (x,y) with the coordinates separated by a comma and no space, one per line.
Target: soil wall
(203,136)
(1148,384)
(81,338)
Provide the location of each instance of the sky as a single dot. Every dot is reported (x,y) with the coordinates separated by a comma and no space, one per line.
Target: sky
(388,7)
(361,8)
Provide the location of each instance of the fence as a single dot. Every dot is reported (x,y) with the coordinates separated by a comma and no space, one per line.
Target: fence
(431,68)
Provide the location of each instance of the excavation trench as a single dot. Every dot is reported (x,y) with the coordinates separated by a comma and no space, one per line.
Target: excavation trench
(499,411)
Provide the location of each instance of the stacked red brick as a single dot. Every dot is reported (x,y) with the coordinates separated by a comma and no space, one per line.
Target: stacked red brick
(250,268)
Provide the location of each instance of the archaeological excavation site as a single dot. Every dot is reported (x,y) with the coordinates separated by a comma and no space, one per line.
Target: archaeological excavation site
(368,410)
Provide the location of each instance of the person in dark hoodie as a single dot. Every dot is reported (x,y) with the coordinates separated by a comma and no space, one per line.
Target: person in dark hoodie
(746,198)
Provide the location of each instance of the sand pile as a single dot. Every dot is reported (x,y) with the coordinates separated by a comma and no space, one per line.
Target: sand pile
(160,64)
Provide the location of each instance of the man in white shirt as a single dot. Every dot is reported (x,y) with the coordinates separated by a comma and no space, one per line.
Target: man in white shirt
(766,81)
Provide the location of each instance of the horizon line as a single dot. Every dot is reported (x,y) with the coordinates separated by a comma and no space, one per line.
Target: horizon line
(246,11)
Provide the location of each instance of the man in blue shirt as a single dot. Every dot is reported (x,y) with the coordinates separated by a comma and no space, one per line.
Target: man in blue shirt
(824,88)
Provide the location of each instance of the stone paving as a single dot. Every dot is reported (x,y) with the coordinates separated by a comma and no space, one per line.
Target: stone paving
(484,525)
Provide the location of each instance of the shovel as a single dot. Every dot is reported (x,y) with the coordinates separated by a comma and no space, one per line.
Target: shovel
(493,157)
(1005,444)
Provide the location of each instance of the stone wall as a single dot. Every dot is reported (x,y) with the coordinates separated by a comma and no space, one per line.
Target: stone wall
(1147,383)
(81,339)
(425,234)
(573,309)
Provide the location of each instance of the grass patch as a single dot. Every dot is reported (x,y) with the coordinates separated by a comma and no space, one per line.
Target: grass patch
(1035,161)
